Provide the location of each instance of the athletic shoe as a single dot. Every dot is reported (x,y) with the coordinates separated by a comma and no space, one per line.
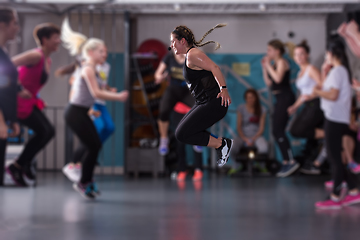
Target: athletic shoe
(330,184)
(16,175)
(198,175)
(224,151)
(290,169)
(283,169)
(260,167)
(173,175)
(85,190)
(181,176)
(72,172)
(233,171)
(310,169)
(354,167)
(328,204)
(29,175)
(95,189)
(163,146)
(198,149)
(350,200)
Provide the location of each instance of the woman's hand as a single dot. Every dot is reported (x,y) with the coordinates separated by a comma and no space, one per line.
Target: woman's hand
(225,97)
(342,29)
(265,62)
(25,94)
(94,113)
(123,95)
(249,142)
(325,68)
(291,110)
(355,85)
(352,28)
(164,75)
(113,89)
(15,130)
(316,89)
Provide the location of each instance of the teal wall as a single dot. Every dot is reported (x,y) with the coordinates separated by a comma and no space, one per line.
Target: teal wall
(113,152)
(114,149)
(255,79)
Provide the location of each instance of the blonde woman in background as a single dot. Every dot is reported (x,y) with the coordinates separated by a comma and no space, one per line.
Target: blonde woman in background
(87,88)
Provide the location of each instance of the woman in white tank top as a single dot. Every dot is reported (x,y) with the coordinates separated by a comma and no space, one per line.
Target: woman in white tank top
(309,122)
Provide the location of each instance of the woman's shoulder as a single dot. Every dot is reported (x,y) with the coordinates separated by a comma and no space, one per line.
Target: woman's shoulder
(339,70)
(195,52)
(284,63)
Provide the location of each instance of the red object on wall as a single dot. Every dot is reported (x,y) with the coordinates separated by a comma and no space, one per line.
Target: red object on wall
(152,46)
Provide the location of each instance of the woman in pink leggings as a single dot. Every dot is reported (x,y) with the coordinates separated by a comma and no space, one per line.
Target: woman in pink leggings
(34,68)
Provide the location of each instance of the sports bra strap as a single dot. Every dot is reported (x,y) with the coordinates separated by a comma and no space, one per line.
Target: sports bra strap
(189,49)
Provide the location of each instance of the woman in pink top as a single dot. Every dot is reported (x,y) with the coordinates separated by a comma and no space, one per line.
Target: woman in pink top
(34,68)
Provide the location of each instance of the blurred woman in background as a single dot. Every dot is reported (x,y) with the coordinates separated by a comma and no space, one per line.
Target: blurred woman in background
(277,77)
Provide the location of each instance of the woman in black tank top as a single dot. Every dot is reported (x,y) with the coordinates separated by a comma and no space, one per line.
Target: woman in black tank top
(277,77)
(208,87)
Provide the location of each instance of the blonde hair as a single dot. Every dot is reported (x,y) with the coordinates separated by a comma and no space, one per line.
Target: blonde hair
(187,34)
(291,48)
(73,41)
(90,45)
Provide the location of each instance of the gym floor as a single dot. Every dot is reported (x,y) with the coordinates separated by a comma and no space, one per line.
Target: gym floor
(161,209)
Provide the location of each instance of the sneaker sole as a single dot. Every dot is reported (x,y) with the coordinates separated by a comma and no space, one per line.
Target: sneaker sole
(29,181)
(75,187)
(309,172)
(331,187)
(228,154)
(355,172)
(69,177)
(351,203)
(326,208)
(13,178)
(291,171)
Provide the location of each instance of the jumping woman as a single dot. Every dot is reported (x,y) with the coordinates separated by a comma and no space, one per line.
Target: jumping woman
(208,87)
(34,69)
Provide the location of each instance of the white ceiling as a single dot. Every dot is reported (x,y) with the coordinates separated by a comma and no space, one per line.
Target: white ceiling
(188,6)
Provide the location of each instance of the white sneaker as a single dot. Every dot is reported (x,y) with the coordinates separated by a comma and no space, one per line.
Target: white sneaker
(72,172)
(223,152)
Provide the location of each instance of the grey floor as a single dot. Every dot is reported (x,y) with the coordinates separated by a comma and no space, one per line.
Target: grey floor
(219,208)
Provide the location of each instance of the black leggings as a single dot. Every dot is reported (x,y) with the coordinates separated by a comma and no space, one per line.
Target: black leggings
(192,128)
(279,121)
(44,132)
(3,143)
(80,123)
(181,150)
(172,95)
(334,133)
(310,118)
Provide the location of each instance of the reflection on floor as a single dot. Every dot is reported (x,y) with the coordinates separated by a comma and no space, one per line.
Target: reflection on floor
(216,209)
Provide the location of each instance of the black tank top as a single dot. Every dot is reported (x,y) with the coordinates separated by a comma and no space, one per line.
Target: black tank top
(283,85)
(201,83)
